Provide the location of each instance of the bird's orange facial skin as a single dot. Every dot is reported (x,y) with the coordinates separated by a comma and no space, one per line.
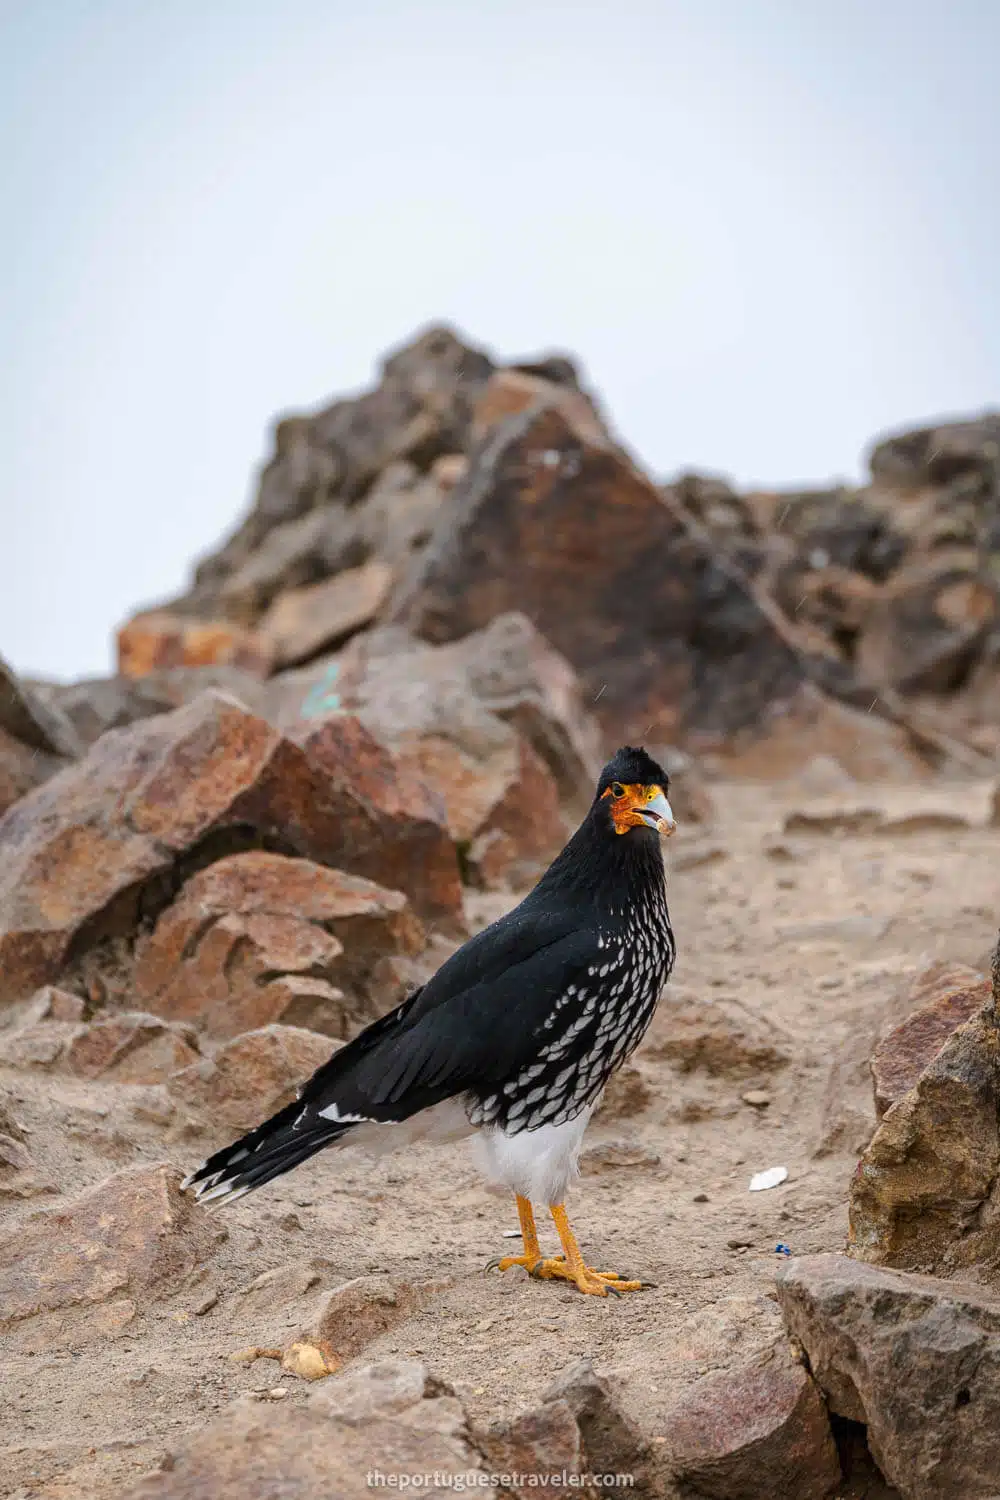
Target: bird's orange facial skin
(625,812)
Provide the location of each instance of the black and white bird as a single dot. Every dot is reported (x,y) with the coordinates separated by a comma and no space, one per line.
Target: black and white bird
(514,1038)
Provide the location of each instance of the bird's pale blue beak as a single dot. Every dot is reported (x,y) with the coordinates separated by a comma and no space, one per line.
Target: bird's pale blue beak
(658,814)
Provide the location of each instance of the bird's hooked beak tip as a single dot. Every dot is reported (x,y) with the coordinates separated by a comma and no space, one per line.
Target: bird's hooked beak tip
(660,816)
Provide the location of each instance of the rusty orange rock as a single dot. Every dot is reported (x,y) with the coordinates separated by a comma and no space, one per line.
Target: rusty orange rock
(159,639)
(259,937)
(131,1048)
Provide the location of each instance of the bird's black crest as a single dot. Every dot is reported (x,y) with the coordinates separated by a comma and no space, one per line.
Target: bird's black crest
(631,764)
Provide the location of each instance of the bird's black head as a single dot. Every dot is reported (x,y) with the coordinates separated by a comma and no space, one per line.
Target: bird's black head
(632,793)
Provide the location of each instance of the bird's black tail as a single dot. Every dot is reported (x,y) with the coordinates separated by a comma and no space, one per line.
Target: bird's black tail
(265,1152)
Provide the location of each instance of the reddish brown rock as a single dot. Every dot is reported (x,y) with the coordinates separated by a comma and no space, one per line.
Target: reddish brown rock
(390,1419)
(759,1429)
(258,938)
(152,641)
(503,809)
(916,1359)
(91,850)
(252,1076)
(303,622)
(670,644)
(131,1048)
(901,1056)
(388,824)
(71,1273)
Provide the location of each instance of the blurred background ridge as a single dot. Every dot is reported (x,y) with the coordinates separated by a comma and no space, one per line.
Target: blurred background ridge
(769,231)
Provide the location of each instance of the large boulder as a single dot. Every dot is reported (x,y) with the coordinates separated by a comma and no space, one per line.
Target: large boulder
(103,845)
(554,521)
(303,525)
(916,1359)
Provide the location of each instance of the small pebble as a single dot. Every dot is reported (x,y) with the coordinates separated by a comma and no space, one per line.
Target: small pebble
(278,1392)
(700,1198)
(759,1098)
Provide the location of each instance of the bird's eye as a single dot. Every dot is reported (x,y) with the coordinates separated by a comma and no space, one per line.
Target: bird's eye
(617,790)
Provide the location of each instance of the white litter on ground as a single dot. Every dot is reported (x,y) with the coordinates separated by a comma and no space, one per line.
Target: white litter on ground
(769,1179)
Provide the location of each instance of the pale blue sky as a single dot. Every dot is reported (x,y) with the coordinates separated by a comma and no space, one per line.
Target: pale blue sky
(769,227)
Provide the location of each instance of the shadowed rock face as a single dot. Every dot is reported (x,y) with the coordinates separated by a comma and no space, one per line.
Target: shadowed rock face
(555,523)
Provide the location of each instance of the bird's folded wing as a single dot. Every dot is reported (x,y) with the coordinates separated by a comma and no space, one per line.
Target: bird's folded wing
(448,1039)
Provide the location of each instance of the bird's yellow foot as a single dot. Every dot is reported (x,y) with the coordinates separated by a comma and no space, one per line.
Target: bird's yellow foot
(592,1283)
(529,1262)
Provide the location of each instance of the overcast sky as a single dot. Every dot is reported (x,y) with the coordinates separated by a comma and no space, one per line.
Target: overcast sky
(770,229)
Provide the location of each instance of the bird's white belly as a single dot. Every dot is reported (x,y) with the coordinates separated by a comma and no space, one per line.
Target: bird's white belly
(539,1164)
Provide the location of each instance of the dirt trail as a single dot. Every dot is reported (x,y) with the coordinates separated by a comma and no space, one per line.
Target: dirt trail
(804,935)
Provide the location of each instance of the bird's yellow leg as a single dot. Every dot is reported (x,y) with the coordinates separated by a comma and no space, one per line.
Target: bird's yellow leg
(570,1266)
(529,1234)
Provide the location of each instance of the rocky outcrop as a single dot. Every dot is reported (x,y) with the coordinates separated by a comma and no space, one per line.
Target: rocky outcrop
(250,1077)
(916,1359)
(924,1193)
(668,642)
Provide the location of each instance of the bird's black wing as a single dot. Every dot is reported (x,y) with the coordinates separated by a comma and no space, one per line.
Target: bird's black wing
(471,1027)
(474,1025)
